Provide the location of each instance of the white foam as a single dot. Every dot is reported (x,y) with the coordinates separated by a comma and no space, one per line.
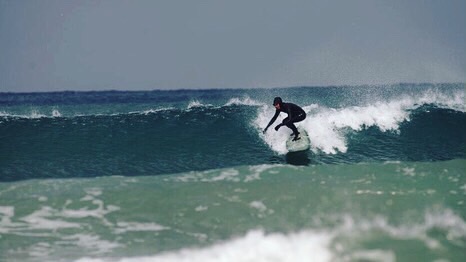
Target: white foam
(42,199)
(228,174)
(331,244)
(149,111)
(46,219)
(464,188)
(373,255)
(91,243)
(328,127)
(40,219)
(453,101)
(261,208)
(36,114)
(201,208)
(93,192)
(99,211)
(256,171)
(40,249)
(254,246)
(123,227)
(6,213)
(446,220)
(409,171)
(276,140)
(33,115)
(245,101)
(56,113)
(197,104)
(258,205)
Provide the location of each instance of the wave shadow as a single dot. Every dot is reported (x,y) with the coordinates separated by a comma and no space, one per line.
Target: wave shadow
(300,158)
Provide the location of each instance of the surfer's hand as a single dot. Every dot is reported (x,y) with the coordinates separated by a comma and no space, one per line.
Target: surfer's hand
(278,127)
(265,130)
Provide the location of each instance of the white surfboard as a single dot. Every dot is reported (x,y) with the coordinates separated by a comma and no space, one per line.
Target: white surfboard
(302,144)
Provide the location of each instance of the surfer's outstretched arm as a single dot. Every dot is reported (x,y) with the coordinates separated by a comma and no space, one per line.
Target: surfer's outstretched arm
(277,112)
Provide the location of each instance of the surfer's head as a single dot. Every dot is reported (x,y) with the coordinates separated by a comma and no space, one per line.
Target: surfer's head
(277,102)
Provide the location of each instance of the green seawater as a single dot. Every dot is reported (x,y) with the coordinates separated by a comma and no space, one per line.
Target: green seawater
(392,211)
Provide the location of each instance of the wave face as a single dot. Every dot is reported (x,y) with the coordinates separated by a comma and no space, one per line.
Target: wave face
(89,134)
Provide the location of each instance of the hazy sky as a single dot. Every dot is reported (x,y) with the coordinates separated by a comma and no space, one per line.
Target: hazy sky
(136,45)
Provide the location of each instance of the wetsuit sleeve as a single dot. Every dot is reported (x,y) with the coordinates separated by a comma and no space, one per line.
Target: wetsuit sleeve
(277,112)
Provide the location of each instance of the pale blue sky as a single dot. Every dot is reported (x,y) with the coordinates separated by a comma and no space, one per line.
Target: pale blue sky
(53,45)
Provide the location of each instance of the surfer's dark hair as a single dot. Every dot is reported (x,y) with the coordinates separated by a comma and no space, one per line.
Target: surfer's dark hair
(277,100)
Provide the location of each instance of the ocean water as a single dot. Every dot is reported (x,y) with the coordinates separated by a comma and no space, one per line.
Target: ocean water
(188,175)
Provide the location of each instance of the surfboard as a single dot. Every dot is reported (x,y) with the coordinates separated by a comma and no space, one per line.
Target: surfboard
(302,144)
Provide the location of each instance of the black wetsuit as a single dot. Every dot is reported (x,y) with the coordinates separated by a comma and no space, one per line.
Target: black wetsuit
(295,114)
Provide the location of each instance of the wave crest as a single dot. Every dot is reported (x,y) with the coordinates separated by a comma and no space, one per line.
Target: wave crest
(328,128)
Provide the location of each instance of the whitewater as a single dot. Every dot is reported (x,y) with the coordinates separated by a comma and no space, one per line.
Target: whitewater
(189,175)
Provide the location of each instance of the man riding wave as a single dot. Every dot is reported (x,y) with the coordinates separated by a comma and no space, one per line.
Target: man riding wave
(295,114)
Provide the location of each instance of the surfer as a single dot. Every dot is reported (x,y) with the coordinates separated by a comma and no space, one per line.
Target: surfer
(295,114)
